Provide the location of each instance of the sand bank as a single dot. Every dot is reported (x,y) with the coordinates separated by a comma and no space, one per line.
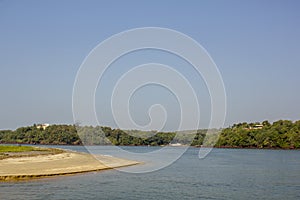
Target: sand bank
(58,164)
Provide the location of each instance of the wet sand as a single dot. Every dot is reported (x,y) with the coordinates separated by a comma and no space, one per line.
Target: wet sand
(58,164)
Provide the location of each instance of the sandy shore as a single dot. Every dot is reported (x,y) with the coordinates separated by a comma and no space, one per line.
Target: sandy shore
(58,164)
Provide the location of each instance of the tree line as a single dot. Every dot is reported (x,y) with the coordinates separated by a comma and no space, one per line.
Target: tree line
(283,134)
(280,134)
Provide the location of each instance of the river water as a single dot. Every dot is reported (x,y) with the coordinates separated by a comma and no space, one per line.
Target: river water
(223,174)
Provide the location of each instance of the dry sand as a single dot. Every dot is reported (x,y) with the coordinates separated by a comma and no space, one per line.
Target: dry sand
(58,164)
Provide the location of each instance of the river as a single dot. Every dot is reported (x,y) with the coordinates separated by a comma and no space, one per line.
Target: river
(223,174)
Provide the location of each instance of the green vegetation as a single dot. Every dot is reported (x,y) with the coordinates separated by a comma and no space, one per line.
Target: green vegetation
(17,149)
(55,134)
(281,134)
(25,151)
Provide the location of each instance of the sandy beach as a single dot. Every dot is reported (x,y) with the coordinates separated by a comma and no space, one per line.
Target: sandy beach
(58,164)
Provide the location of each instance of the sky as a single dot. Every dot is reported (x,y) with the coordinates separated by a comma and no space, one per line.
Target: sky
(255,45)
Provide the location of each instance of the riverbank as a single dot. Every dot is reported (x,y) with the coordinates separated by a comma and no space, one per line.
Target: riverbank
(65,163)
(183,145)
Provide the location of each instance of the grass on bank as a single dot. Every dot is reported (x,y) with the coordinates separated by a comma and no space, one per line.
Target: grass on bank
(25,151)
(11,149)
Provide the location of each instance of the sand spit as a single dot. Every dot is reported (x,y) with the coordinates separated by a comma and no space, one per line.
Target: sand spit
(58,164)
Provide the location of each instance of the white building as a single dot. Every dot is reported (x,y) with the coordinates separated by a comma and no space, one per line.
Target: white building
(43,126)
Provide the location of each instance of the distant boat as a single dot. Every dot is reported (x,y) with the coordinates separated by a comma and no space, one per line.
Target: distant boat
(175,144)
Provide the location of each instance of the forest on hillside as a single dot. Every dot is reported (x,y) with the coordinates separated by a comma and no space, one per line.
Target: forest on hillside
(280,134)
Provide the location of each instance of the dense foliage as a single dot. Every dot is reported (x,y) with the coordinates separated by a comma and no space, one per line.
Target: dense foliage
(280,134)
(54,134)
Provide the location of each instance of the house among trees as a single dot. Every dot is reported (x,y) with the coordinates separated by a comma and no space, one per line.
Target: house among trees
(43,126)
(257,126)
(254,126)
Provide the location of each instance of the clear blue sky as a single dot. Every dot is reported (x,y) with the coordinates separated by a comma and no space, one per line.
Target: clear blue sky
(255,44)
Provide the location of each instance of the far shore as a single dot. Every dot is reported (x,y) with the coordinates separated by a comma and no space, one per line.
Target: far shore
(64,163)
(195,146)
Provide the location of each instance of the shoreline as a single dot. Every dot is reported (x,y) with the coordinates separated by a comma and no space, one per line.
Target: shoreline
(196,146)
(254,148)
(66,163)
